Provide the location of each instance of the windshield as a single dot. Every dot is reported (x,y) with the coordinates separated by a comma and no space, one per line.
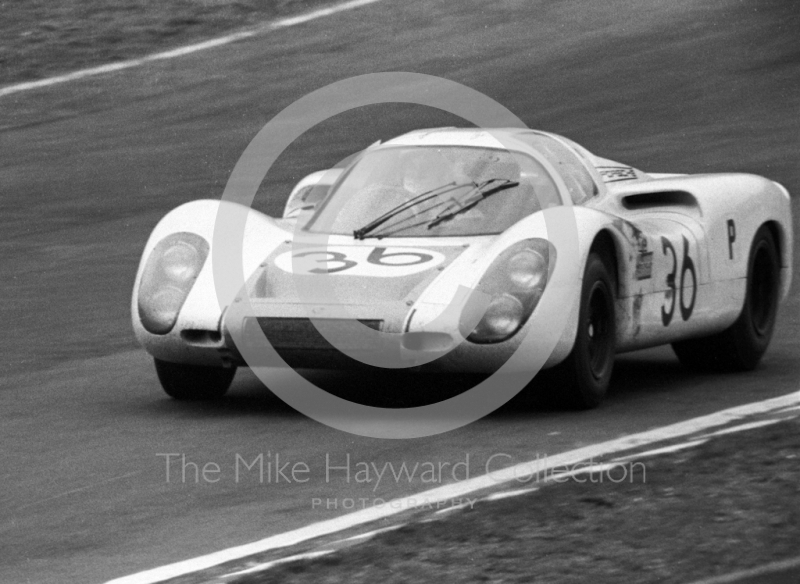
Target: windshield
(384,179)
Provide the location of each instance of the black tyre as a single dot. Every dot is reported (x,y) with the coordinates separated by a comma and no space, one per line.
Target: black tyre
(193,382)
(586,372)
(741,346)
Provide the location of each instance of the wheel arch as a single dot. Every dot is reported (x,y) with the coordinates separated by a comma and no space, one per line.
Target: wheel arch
(782,241)
(607,247)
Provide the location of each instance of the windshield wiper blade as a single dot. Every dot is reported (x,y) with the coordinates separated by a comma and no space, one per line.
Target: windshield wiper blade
(362,232)
(481,191)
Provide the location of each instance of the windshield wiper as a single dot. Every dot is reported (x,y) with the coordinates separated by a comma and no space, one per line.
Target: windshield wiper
(362,232)
(481,191)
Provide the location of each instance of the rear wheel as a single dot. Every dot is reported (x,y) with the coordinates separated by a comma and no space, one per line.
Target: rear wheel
(586,372)
(741,346)
(193,382)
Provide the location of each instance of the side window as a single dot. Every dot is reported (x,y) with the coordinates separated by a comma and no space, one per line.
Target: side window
(580,184)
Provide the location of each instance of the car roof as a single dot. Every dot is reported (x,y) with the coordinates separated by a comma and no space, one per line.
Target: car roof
(479,137)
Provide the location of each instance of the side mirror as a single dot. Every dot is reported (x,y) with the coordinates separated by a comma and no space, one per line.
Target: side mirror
(308,193)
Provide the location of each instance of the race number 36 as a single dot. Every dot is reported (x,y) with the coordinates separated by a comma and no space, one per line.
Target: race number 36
(684,268)
(378,262)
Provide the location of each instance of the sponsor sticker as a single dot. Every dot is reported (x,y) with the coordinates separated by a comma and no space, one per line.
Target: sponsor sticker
(644,265)
(616,173)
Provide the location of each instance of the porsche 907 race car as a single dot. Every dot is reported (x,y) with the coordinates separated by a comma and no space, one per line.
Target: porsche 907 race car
(700,262)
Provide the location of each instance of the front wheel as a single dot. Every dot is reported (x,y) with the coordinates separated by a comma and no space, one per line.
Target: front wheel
(741,346)
(587,370)
(193,382)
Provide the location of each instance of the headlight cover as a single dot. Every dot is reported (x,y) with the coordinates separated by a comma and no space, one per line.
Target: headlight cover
(515,282)
(168,276)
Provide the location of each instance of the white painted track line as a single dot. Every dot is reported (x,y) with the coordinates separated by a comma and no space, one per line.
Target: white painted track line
(741,427)
(454,508)
(268,565)
(789,568)
(508,494)
(664,450)
(186,50)
(460,489)
(370,534)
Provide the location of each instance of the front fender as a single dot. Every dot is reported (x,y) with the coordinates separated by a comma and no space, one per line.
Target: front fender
(205,303)
(470,267)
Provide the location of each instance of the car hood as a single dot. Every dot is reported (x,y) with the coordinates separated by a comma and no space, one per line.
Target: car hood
(356,279)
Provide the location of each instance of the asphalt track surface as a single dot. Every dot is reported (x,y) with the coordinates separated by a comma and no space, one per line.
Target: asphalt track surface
(90,166)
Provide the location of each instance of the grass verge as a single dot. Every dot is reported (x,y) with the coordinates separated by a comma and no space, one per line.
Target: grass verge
(729,504)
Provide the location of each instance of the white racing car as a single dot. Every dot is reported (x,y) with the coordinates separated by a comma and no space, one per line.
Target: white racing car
(698,261)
